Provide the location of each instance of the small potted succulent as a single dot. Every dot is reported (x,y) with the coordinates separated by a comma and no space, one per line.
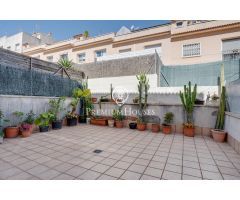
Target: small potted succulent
(218,133)
(26,127)
(166,126)
(188,97)
(72,116)
(118,117)
(43,121)
(30,117)
(56,106)
(135,100)
(13,130)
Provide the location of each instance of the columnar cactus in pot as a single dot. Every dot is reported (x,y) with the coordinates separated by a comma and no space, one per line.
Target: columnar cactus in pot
(143,87)
(218,133)
(188,97)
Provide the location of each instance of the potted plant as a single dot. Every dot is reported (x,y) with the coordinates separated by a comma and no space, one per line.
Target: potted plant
(166,126)
(13,130)
(83,95)
(118,117)
(98,120)
(218,133)
(72,116)
(143,87)
(26,127)
(43,121)
(188,98)
(135,100)
(56,106)
(132,125)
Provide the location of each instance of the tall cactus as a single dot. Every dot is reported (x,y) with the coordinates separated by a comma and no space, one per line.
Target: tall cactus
(221,110)
(143,87)
(188,98)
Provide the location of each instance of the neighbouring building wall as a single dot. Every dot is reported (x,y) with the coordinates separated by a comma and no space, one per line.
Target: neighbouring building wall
(169,39)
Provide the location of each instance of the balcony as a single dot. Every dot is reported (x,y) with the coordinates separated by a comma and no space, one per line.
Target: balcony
(130,54)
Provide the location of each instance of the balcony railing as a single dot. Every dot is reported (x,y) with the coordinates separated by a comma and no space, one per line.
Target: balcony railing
(130,54)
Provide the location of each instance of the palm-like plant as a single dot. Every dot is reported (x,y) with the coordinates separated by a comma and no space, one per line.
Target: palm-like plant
(86,34)
(65,63)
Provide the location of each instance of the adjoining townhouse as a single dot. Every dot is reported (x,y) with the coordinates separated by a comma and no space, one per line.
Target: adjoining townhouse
(177,42)
(18,42)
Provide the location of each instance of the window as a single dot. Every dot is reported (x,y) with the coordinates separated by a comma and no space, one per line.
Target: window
(190,50)
(179,24)
(64,56)
(231,49)
(124,50)
(17,47)
(81,57)
(100,53)
(50,58)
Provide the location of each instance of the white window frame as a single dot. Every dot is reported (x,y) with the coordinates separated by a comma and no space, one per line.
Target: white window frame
(179,26)
(78,58)
(190,56)
(17,47)
(100,50)
(60,57)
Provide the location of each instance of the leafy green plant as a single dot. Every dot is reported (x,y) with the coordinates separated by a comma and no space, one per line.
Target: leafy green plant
(221,110)
(168,118)
(56,106)
(86,34)
(30,117)
(143,87)
(65,63)
(188,97)
(44,119)
(18,117)
(117,115)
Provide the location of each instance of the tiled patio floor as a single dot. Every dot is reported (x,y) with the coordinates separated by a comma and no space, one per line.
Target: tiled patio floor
(127,154)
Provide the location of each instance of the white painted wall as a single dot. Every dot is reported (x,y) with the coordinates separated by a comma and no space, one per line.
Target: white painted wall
(129,82)
(232,125)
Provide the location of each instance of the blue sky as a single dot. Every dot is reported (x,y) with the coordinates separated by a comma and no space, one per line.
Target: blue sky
(64,29)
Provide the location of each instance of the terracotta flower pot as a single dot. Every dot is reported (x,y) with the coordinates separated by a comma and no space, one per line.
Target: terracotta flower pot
(26,133)
(188,131)
(11,132)
(94,100)
(100,122)
(111,123)
(219,135)
(166,129)
(155,128)
(119,124)
(141,126)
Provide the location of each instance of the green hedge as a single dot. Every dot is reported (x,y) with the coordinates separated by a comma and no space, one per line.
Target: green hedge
(15,81)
